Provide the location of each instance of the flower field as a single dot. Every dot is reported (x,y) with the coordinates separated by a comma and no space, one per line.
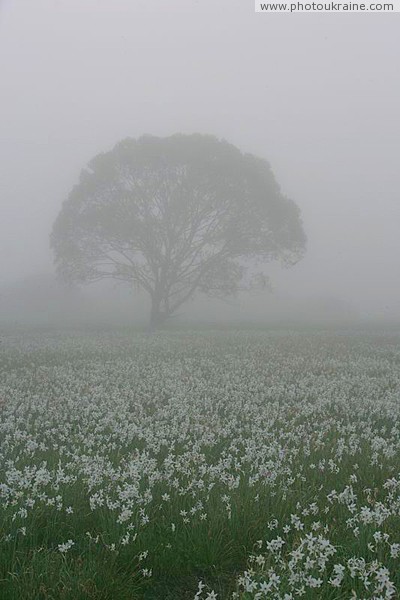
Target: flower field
(199,465)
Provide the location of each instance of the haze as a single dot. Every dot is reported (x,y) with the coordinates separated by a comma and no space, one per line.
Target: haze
(318,96)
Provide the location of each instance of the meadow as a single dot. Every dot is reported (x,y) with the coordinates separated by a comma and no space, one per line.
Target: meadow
(199,465)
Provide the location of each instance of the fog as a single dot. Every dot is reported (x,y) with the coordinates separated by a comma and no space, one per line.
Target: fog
(316,95)
(155,445)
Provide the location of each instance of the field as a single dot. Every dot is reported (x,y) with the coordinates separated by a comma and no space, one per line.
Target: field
(199,465)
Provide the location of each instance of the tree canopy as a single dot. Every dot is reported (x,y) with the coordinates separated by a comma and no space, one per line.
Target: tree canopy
(175,216)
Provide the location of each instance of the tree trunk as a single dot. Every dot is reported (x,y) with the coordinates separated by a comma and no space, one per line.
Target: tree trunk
(157,317)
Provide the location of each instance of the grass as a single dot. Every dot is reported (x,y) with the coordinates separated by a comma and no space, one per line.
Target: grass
(176,458)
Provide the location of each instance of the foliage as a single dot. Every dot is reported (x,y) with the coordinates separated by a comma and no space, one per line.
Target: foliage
(174,216)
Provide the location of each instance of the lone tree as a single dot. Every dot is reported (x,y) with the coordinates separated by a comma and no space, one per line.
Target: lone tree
(175,216)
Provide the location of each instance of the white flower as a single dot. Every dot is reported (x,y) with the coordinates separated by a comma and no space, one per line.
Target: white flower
(394,550)
(63,548)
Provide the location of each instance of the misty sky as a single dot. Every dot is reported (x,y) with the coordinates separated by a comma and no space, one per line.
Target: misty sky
(317,95)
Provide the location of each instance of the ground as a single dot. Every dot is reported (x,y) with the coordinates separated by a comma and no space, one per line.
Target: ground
(256,464)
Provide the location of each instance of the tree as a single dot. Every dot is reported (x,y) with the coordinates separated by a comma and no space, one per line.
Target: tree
(175,216)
